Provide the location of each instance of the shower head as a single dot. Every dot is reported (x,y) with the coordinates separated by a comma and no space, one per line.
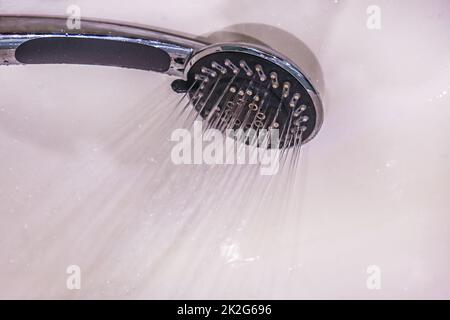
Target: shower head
(230,85)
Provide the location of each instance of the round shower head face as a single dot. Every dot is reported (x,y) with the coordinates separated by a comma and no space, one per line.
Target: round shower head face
(235,86)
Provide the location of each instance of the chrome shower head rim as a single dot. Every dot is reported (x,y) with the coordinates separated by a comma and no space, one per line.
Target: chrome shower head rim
(274,57)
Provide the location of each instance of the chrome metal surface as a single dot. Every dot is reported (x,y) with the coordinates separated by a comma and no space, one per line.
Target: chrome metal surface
(16,30)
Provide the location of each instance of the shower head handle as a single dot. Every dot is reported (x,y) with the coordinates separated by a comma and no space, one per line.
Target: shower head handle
(40,40)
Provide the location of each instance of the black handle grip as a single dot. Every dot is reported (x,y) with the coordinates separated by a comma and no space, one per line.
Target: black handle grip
(93,51)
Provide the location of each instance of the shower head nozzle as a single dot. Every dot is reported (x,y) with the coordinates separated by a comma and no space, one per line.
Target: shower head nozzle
(245,86)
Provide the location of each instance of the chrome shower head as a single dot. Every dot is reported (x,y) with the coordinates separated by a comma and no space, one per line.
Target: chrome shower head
(230,85)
